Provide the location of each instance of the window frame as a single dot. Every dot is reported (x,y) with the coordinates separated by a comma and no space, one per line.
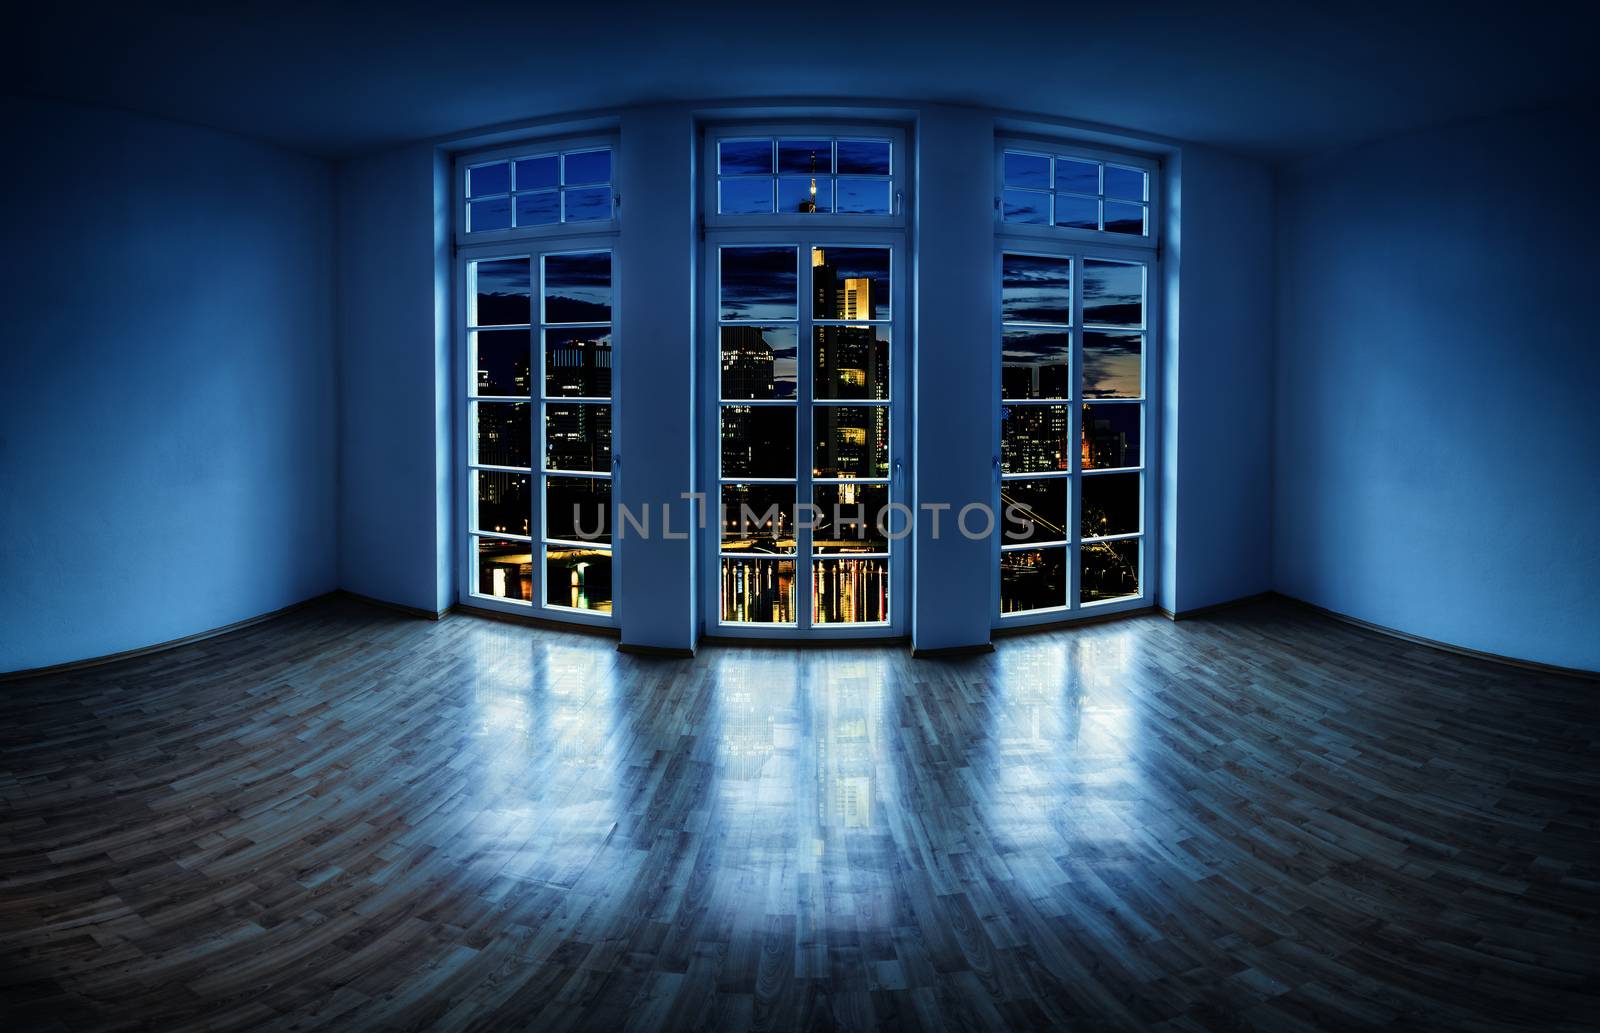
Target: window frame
(899,551)
(534,244)
(531,148)
(1079,246)
(900,197)
(1065,148)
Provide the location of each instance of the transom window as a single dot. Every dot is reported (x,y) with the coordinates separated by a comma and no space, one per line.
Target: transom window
(841,174)
(1075,192)
(538,189)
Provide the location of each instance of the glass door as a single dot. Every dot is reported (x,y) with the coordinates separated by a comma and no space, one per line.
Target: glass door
(807,509)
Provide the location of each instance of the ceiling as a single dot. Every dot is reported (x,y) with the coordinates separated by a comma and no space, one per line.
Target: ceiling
(342,78)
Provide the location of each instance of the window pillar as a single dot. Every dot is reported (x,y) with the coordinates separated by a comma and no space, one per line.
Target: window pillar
(953,437)
(655,440)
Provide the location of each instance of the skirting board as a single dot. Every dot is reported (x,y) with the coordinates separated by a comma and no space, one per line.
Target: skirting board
(658,652)
(1202,611)
(410,611)
(532,621)
(129,654)
(1477,654)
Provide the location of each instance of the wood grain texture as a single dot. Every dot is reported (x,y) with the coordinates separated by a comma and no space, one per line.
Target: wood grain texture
(343,820)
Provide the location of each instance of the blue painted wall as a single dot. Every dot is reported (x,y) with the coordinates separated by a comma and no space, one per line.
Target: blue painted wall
(167,460)
(953,437)
(657,605)
(396,409)
(1437,440)
(1216,404)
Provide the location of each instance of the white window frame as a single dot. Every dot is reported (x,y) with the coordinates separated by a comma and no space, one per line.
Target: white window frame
(534,148)
(1079,245)
(534,244)
(804,232)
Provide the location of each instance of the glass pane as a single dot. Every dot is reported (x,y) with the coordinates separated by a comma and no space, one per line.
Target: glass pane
(585,167)
(1112,364)
(1026,206)
(501,361)
(744,196)
(850,283)
(541,209)
(1034,511)
(851,440)
(805,156)
(501,292)
(1079,213)
(1122,217)
(577,578)
(758,440)
(1124,183)
(1110,570)
(1111,435)
(1110,505)
(505,434)
(1078,177)
(760,283)
(578,509)
(577,362)
(864,157)
(505,569)
(505,502)
(852,518)
(577,437)
(1113,293)
(1035,438)
(744,157)
(1027,170)
(577,288)
(758,518)
(493,214)
(757,591)
(802,195)
(851,361)
(1035,289)
(850,591)
(862,196)
(760,361)
(489,179)
(1036,363)
(1033,579)
(538,173)
(588,204)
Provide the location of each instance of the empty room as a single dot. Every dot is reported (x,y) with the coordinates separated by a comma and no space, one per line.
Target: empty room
(810,517)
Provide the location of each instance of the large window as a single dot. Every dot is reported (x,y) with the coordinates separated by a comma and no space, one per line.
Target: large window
(805,355)
(538,304)
(1074,335)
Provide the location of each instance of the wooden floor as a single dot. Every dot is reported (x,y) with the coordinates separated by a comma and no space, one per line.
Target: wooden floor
(346,820)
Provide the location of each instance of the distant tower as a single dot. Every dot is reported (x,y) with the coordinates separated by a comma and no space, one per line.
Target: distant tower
(810,203)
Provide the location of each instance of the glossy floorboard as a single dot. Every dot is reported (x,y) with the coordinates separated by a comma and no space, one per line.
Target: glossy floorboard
(347,820)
